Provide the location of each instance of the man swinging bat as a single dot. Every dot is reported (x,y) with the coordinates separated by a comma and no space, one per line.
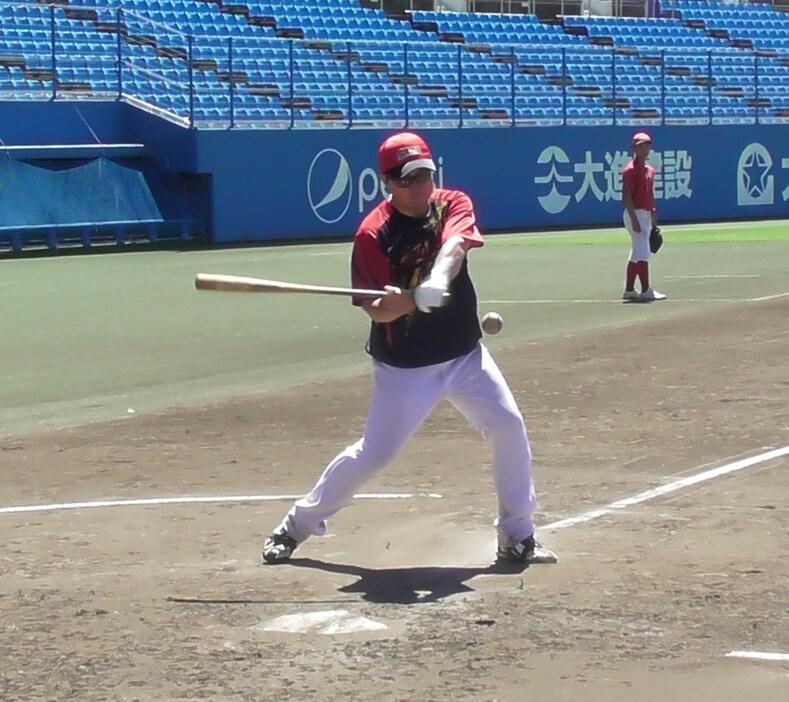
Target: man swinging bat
(425,347)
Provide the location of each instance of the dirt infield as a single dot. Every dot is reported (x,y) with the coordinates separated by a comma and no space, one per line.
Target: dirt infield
(169,602)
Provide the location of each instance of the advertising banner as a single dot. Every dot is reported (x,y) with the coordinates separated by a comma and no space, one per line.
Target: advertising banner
(319,183)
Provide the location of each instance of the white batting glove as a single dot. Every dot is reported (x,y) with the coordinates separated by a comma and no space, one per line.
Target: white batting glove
(432,293)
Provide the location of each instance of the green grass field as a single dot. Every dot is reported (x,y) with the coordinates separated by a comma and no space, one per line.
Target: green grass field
(680,234)
(92,337)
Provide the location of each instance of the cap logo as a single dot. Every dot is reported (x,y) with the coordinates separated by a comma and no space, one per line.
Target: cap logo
(406,152)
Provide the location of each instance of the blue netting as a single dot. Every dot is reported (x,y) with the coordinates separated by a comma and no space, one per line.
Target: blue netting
(96,191)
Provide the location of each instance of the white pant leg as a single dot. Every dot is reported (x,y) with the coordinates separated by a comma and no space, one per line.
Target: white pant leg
(402,399)
(639,242)
(479,391)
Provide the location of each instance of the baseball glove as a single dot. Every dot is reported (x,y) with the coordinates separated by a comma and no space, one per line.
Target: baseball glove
(655,239)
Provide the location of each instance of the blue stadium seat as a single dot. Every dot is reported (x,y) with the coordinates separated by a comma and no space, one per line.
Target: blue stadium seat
(320,74)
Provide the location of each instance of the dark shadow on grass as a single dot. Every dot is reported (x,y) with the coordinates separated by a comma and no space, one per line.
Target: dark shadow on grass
(408,585)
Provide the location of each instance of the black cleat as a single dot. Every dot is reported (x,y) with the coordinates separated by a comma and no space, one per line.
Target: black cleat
(528,552)
(279,547)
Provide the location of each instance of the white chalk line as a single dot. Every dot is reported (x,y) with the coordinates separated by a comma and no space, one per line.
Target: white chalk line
(769,297)
(156,501)
(618,301)
(340,624)
(560,524)
(713,276)
(599,301)
(759,655)
(673,486)
(623,503)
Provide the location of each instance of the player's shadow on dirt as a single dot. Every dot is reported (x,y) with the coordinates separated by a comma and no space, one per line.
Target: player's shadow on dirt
(409,585)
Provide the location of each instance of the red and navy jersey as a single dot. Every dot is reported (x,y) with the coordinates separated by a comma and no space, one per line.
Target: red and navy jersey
(391,248)
(639,180)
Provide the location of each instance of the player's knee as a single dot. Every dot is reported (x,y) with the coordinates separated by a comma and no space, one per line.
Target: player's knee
(375,454)
(507,423)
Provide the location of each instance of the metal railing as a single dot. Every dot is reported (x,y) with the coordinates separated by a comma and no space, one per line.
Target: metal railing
(543,8)
(216,81)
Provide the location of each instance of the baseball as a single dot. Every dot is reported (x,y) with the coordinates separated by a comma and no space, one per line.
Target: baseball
(492,323)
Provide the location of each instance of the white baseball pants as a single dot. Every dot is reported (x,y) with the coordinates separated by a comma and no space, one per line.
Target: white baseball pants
(401,401)
(639,242)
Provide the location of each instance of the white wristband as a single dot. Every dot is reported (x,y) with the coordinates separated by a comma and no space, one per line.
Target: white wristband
(431,293)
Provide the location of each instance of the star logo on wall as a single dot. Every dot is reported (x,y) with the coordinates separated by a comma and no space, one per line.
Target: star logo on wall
(754,174)
(755,182)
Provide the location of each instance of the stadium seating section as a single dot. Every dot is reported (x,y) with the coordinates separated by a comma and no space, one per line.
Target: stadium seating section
(333,62)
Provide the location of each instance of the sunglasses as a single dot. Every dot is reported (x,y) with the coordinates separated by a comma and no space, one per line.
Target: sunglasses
(421,177)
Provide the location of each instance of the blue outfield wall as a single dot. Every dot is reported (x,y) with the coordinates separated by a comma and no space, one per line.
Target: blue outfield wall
(287,184)
(266,185)
(38,122)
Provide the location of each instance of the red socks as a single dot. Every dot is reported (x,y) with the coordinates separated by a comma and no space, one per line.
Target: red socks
(638,269)
(630,279)
(643,274)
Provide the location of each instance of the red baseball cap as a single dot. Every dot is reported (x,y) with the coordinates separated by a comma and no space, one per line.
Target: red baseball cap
(403,153)
(641,138)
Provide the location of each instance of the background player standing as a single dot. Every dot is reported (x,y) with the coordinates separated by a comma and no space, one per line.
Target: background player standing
(425,347)
(640,215)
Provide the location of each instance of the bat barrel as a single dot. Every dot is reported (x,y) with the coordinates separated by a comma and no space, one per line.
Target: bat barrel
(235,283)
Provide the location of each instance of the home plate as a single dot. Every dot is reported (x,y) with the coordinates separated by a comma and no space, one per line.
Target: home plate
(759,655)
(331,622)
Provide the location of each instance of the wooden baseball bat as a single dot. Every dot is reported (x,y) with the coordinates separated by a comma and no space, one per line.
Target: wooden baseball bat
(237,283)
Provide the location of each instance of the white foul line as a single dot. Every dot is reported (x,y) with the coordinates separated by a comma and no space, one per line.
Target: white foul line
(191,500)
(712,276)
(769,297)
(759,655)
(618,301)
(669,487)
(562,523)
